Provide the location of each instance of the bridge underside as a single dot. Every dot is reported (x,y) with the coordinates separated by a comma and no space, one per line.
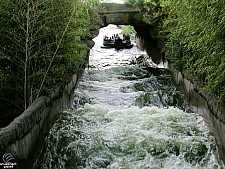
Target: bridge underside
(120,14)
(147,35)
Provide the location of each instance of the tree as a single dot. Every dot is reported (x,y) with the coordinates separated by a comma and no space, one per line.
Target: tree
(196,39)
(195,33)
(41,40)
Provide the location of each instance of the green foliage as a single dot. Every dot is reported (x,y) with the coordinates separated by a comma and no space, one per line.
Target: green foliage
(195,34)
(41,41)
(137,3)
(93,3)
(196,40)
(127,29)
(151,9)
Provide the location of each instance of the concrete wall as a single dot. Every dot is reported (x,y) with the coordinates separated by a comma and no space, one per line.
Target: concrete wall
(206,105)
(24,137)
(120,14)
(149,41)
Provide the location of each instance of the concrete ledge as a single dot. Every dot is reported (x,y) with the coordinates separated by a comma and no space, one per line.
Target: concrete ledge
(206,105)
(119,11)
(24,137)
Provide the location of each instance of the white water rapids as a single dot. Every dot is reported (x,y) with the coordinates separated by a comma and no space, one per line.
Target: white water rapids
(126,118)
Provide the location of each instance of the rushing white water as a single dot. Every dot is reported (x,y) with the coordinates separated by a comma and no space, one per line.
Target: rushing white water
(126,118)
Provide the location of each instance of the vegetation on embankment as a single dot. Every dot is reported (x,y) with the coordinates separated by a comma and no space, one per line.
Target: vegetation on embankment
(195,37)
(41,42)
(129,30)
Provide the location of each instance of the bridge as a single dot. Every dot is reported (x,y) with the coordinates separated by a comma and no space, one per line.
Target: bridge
(125,14)
(120,14)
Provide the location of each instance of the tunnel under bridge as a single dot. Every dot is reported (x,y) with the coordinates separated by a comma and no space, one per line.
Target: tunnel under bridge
(147,35)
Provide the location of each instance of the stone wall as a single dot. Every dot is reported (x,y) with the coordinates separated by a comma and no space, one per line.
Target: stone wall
(120,14)
(206,105)
(149,41)
(24,137)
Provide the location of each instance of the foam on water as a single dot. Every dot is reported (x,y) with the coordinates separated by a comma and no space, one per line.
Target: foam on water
(125,118)
(150,137)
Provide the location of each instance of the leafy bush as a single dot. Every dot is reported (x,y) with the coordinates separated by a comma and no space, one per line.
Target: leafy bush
(41,41)
(195,34)
(129,30)
(196,40)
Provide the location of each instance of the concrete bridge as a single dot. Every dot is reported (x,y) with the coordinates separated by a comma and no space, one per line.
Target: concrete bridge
(147,35)
(120,14)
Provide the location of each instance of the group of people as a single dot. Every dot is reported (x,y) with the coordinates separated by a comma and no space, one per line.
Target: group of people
(116,37)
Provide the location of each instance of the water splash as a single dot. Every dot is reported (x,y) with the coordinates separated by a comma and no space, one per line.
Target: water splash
(126,118)
(148,137)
